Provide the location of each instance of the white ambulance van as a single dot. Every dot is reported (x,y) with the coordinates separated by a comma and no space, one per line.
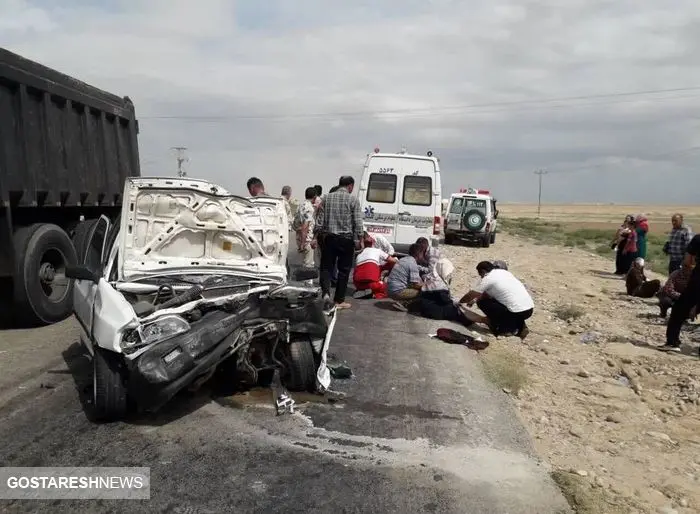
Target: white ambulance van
(401,197)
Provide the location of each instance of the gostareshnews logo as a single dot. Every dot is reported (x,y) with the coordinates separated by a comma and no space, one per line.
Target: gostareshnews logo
(75,483)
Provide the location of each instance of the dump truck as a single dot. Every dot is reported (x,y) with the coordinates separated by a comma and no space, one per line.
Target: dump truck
(66,149)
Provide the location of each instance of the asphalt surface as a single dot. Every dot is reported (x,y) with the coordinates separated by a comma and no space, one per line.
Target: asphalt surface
(420,430)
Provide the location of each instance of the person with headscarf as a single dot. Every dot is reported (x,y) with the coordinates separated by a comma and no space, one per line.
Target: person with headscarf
(641,225)
(637,283)
(622,264)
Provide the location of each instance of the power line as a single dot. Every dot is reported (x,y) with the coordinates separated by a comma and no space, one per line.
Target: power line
(431,110)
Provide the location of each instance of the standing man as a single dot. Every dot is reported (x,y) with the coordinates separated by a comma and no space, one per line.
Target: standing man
(303,225)
(687,304)
(339,218)
(287,195)
(319,195)
(255,187)
(678,240)
(504,300)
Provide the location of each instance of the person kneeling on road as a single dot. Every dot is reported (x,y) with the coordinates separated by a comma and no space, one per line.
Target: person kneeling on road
(405,281)
(502,298)
(637,283)
(367,278)
(673,288)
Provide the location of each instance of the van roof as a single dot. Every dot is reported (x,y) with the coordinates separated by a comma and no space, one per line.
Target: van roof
(471,195)
(404,156)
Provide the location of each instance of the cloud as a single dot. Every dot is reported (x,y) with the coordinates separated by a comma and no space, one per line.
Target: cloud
(299,92)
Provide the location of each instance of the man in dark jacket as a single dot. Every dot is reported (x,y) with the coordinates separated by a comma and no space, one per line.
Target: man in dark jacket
(687,304)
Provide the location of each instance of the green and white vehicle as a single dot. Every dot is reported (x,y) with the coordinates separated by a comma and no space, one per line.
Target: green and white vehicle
(471,216)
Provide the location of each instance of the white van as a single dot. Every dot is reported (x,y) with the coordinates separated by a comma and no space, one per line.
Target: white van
(401,197)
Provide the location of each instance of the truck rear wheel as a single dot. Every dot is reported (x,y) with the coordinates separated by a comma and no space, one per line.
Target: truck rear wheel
(42,293)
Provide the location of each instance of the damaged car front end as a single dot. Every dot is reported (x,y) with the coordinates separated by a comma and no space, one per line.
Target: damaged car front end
(192,280)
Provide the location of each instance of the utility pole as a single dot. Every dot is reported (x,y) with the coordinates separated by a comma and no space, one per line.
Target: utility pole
(539,174)
(180,159)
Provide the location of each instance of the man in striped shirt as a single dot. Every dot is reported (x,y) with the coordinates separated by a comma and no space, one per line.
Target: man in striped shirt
(339,218)
(678,240)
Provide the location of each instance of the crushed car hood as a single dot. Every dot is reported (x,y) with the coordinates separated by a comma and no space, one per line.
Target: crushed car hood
(170,224)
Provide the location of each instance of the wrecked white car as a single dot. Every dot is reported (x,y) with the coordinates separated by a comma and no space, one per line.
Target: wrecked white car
(191,277)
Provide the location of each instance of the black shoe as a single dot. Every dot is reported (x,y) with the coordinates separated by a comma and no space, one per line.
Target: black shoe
(670,348)
(663,313)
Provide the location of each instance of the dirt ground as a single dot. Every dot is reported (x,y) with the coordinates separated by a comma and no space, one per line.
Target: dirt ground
(618,420)
(604,216)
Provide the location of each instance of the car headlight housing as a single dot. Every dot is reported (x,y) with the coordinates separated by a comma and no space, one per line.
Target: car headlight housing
(163,328)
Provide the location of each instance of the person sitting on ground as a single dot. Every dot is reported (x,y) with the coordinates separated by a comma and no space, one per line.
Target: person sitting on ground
(673,288)
(637,283)
(378,241)
(370,263)
(435,301)
(405,281)
(432,258)
(503,299)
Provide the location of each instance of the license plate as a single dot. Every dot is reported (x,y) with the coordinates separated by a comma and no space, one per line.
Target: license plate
(379,230)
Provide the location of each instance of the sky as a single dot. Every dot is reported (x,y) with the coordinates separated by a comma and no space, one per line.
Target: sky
(602,94)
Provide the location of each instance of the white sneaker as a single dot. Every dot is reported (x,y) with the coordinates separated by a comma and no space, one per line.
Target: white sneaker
(362,293)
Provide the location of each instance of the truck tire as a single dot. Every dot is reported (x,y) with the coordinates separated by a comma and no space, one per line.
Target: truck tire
(81,237)
(42,294)
(486,241)
(449,239)
(474,220)
(109,398)
(301,374)
(493,237)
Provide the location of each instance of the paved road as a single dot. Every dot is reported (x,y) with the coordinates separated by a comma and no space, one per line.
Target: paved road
(419,431)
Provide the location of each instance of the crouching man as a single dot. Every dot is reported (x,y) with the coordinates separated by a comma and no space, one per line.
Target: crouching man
(673,288)
(405,280)
(502,298)
(369,266)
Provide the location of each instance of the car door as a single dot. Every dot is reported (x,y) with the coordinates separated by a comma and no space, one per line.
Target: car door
(378,196)
(84,291)
(416,216)
(454,213)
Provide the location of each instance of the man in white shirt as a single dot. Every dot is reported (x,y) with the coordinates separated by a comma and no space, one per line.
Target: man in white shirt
(502,298)
(369,265)
(378,241)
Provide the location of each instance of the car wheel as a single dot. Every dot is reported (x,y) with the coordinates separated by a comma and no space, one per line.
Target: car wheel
(493,237)
(109,398)
(42,293)
(301,375)
(486,241)
(449,239)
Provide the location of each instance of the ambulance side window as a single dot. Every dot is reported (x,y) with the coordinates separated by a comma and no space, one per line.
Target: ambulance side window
(381,188)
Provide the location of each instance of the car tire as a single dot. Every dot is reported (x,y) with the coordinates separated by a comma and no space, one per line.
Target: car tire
(449,239)
(486,241)
(41,295)
(474,220)
(493,237)
(81,236)
(301,375)
(109,400)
